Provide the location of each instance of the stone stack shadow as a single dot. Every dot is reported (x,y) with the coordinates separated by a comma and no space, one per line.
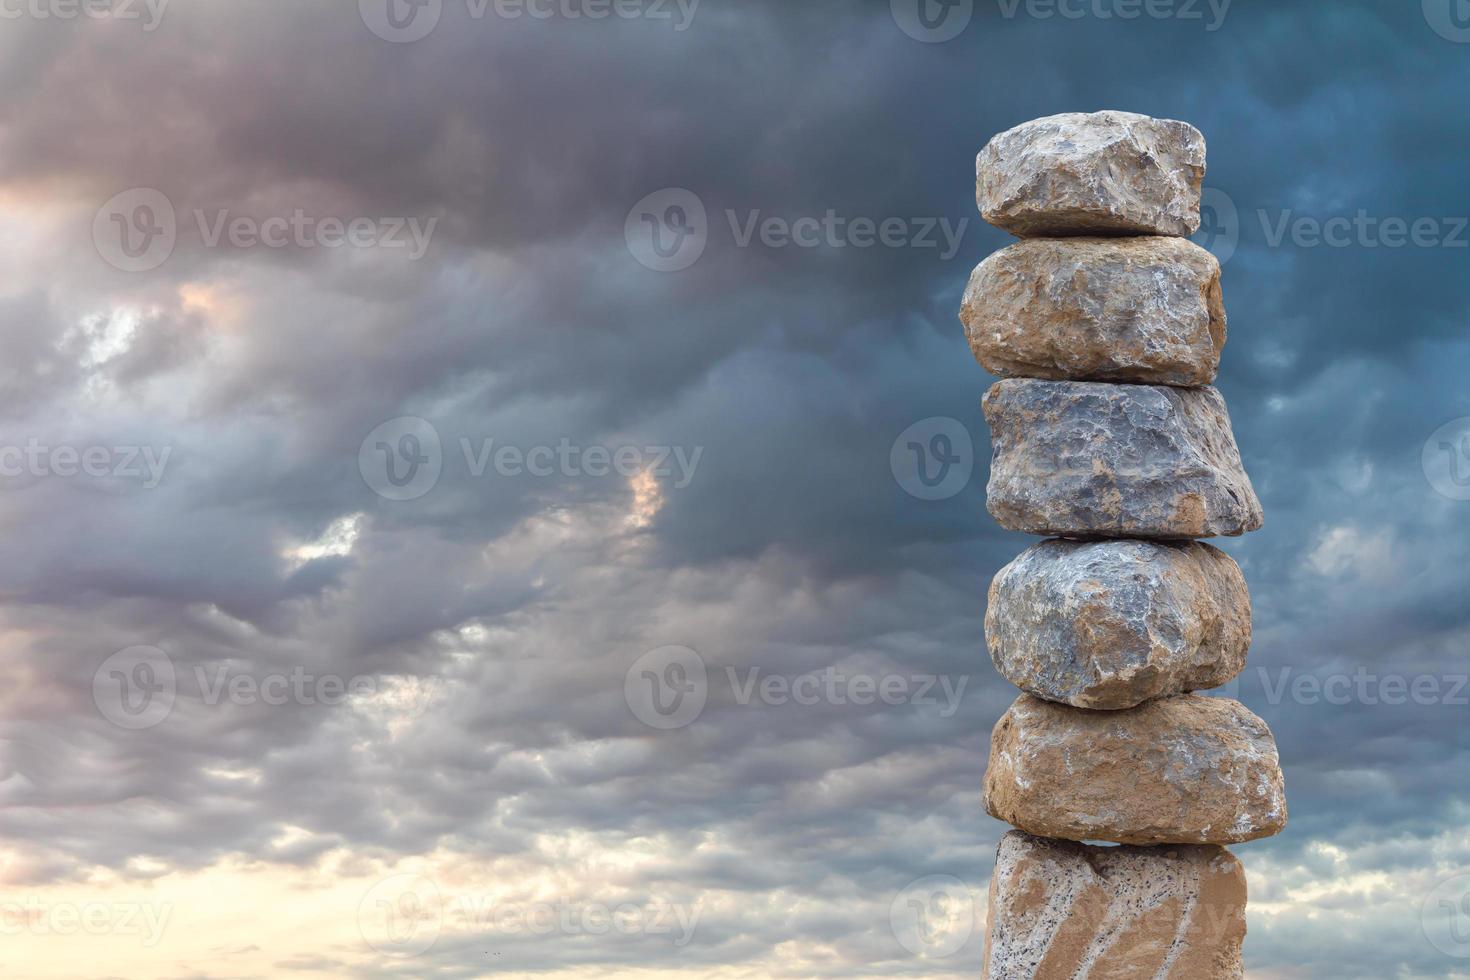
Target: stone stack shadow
(1106,327)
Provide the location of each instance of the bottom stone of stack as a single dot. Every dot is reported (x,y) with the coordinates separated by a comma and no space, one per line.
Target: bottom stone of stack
(1061,910)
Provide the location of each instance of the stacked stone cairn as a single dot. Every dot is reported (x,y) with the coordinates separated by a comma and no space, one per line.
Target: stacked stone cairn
(1106,326)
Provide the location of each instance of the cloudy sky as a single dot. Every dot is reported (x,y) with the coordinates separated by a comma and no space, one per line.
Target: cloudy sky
(452,526)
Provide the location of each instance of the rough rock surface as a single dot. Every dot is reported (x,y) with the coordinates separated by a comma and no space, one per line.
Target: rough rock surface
(1060,910)
(1145,310)
(1110,624)
(1083,459)
(1100,173)
(1181,770)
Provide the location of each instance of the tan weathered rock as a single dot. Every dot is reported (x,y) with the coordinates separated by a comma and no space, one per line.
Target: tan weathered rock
(1181,770)
(1111,624)
(1085,459)
(1146,310)
(1061,910)
(1100,173)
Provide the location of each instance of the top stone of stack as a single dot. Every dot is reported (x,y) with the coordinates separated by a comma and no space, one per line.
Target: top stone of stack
(1099,173)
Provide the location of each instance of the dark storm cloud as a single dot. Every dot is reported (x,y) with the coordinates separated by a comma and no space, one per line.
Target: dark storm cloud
(500,614)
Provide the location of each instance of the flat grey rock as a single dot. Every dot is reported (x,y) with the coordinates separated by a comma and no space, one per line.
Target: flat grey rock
(1146,310)
(1085,459)
(1099,173)
(1110,624)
